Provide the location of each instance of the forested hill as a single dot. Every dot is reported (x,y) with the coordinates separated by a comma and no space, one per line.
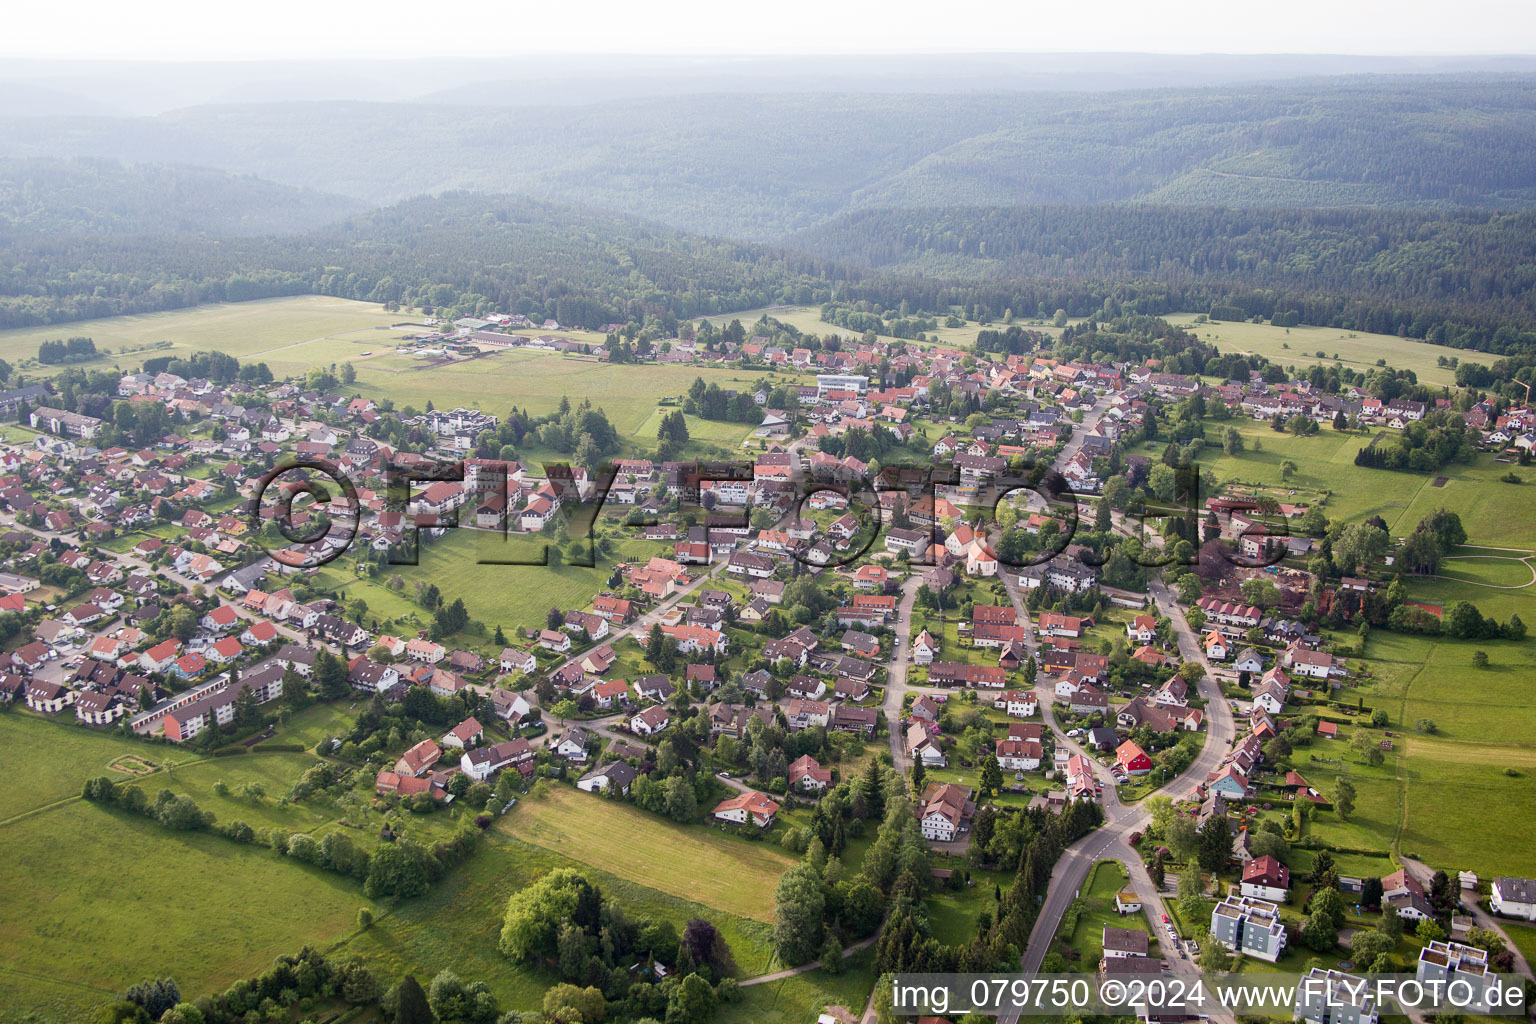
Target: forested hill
(48,196)
(761,167)
(1453,259)
(461,252)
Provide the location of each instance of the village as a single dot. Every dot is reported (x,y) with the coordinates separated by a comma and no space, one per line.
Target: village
(813,605)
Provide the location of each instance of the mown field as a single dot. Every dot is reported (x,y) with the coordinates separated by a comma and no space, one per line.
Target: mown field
(108,899)
(697,863)
(51,760)
(1325,469)
(1452,797)
(808,320)
(506,595)
(537,380)
(1298,346)
(289,334)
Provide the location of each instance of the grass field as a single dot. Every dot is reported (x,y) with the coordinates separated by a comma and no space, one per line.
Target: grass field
(692,863)
(808,320)
(51,760)
(1356,350)
(537,380)
(505,595)
(1325,469)
(108,899)
(290,334)
(1447,797)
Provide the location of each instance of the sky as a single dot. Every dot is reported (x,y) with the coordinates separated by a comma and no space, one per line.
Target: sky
(330,29)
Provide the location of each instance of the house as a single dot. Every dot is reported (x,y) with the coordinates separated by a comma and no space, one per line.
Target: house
(847,718)
(514,660)
(657,688)
(1250,927)
(509,705)
(1513,897)
(1266,878)
(1328,996)
(1403,893)
(160,657)
(555,640)
(1309,663)
(1127,902)
(1132,759)
(1018,703)
(483,762)
(1215,646)
(1248,660)
(427,651)
(618,775)
(920,745)
(1019,755)
(94,708)
(944,810)
(419,759)
(48,698)
(1230,783)
(745,807)
(1057,624)
(609,692)
(1123,942)
(924,648)
(1142,629)
(805,714)
(650,721)
(572,746)
(808,776)
(464,735)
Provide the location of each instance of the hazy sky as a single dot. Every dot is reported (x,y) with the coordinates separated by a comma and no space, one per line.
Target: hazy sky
(200,30)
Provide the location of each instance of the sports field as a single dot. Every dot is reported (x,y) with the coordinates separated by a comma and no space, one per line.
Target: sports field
(690,862)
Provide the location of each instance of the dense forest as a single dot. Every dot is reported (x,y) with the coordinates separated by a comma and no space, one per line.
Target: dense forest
(762,166)
(461,253)
(49,196)
(1451,277)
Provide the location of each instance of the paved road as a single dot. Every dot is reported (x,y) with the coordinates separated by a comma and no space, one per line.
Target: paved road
(896,686)
(1111,840)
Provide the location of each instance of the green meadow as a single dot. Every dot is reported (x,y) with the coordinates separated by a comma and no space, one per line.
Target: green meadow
(1298,346)
(289,334)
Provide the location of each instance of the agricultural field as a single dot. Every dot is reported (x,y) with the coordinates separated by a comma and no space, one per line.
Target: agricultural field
(696,863)
(1298,346)
(289,334)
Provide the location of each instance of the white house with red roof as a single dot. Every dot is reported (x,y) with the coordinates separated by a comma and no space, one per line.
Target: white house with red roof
(745,807)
